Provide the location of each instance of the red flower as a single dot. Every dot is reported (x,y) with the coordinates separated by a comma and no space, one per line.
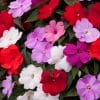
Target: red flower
(11,59)
(6,21)
(54,83)
(74,13)
(94,15)
(47,9)
(95,49)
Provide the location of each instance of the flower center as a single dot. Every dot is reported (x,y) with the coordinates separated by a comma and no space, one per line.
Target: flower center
(55,31)
(32,75)
(78,14)
(88,87)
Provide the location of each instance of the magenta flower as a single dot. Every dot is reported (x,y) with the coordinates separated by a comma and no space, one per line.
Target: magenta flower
(19,7)
(88,88)
(41,53)
(34,37)
(54,31)
(77,54)
(35,2)
(7,86)
(85,32)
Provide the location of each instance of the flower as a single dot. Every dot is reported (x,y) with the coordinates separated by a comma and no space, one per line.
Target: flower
(74,13)
(56,53)
(30,76)
(35,2)
(35,37)
(19,7)
(85,32)
(11,59)
(88,88)
(63,65)
(77,54)
(54,30)
(27,96)
(57,58)
(47,10)
(9,37)
(6,21)
(40,93)
(8,86)
(95,49)
(98,77)
(41,52)
(94,14)
(55,82)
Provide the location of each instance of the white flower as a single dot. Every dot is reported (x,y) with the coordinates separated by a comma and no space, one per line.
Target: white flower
(30,76)
(63,64)
(9,37)
(27,96)
(37,95)
(40,95)
(56,54)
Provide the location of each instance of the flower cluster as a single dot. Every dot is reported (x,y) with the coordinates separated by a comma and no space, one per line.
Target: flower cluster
(56,56)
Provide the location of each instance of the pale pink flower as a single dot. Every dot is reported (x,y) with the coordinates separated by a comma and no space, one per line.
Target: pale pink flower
(54,31)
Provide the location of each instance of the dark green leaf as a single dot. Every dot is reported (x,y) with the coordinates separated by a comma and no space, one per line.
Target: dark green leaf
(74,72)
(70,2)
(33,16)
(85,69)
(96,67)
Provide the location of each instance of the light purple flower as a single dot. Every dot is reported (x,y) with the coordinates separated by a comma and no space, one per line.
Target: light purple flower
(7,86)
(19,7)
(85,32)
(88,88)
(77,54)
(34,37)
(98,77)
(41,53)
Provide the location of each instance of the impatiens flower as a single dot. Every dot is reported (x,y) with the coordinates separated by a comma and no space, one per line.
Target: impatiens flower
(88,88)
(34,37)
(54,31)
(41,53)
(6,21)
(56,53)
(77,54)
(85,32)
(94,14)
(57,58)
(19,7)
(95,49)
(27,96)
(98,77)
(9,37)
(74,13)
(8,86)
(35,2)
(55,82)
(63,65)
(44,96)
(30,76)
(11,59)
(47,10)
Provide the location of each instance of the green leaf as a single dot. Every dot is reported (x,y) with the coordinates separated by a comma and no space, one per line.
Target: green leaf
(70,2)
(33,16)
(71,93)
(17,21)
(74,72)
(85,69)
(96,67)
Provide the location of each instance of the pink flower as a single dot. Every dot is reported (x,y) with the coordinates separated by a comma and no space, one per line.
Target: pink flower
(54,30)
